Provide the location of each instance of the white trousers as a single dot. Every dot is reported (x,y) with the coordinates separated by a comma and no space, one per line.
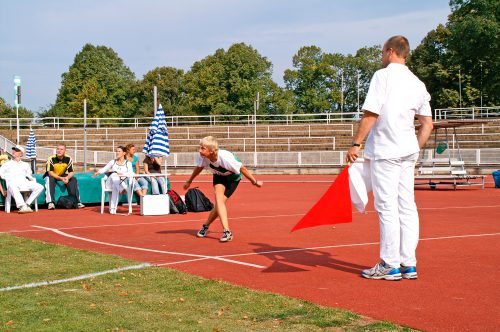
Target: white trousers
(393,191)
(15,188)
(116,184)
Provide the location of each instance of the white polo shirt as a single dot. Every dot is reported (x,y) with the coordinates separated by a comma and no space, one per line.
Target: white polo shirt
(16,171)
(396,95)
(227,164)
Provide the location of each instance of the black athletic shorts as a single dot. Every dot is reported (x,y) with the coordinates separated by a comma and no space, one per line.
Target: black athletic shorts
(230,185)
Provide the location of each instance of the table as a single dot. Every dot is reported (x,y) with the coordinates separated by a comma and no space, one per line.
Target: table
(149,175)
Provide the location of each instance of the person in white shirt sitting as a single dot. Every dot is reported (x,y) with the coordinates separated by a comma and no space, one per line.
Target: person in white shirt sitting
(19,178)
(118,170)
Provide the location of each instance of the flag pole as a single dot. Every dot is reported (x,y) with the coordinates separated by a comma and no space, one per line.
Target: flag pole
(155,99)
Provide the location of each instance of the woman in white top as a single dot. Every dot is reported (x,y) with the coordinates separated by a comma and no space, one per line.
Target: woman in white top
(117,170)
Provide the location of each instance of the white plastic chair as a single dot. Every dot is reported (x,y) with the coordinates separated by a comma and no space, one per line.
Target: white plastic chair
(105,190)
(8,199)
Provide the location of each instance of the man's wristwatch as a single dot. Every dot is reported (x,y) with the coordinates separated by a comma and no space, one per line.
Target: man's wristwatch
(356,144)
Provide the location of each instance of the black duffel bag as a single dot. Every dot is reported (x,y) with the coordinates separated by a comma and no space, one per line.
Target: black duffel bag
(67,202)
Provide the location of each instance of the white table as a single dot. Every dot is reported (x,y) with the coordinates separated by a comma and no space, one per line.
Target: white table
(131,185)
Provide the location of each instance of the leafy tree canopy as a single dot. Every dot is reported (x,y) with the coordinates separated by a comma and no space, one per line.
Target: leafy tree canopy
(227,82)
(99,75)
(331,81)
(7,111)
(459,62)
(170,88)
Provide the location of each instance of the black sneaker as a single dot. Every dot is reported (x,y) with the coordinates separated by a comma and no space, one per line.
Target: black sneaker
(203,231)
(227,236)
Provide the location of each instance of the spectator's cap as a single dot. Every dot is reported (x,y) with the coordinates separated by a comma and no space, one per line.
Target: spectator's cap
(18,148)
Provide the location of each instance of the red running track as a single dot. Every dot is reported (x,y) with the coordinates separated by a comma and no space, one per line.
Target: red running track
(459,251)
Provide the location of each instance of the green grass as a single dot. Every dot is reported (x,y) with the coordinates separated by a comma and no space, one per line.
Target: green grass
(150,299)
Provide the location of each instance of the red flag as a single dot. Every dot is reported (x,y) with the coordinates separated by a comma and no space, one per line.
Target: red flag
(333,208)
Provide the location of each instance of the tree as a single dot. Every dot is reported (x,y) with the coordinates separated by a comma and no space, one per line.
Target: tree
(170,84)
(99,75)
(311,81)
(329,81)
(227,82)
(474,40)
(459,62)
(7,111)
(430,61)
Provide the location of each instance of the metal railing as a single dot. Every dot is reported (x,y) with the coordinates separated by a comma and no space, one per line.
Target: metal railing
(470,113)
(297,159)
(247,120)
(185,120)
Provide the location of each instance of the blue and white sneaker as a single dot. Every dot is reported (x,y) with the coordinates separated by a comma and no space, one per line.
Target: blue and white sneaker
(409,272)
(381,271)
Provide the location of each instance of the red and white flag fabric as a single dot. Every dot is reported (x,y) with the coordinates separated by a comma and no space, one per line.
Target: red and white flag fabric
(334,207)
(360,183)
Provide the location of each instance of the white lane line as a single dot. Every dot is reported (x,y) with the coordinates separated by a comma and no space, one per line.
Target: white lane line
(458,236)
(151,223)
(327,247)
(86,276)
(148,250)
(233,218)
(75,278)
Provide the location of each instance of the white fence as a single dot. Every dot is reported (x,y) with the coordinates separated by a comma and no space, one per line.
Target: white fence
(471,157)
(187,120)
(470,113)
(309,159)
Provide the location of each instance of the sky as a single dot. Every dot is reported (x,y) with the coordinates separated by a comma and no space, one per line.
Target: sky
(40,39)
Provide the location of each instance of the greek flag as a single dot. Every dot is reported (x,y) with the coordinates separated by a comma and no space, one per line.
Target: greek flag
(31,146)
(157,141)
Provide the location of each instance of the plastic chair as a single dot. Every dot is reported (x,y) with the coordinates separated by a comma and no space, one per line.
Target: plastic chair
(105,190)
(8,199)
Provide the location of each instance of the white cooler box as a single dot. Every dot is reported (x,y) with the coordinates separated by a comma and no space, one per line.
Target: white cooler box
(154,205)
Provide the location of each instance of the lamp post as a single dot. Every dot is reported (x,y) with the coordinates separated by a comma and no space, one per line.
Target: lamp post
(85,135)
(460,87)
(481,65)
(255,109)
(17,101)
(357,114)
(342,95)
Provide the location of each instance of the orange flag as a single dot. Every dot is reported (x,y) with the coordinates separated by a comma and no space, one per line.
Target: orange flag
(334,207)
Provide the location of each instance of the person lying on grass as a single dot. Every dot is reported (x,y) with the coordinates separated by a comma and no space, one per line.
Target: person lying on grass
(228,171)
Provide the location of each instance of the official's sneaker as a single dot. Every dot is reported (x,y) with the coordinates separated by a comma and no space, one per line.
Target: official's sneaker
(203,231)
(409,272)
(112,211)
(25,209)
(51,206)
(81,206)
(227,236)
(381,271)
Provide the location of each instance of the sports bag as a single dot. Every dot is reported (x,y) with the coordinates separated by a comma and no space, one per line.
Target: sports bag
(176,203)
(67,202)
(196,201)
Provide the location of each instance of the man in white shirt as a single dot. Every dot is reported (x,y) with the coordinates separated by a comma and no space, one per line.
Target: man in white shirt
(17,174)
(395,97)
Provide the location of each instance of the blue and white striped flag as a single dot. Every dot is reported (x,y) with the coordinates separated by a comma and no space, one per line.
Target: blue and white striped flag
(31,146)
(157,141)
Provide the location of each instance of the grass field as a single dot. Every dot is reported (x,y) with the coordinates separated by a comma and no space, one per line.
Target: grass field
(148,299)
